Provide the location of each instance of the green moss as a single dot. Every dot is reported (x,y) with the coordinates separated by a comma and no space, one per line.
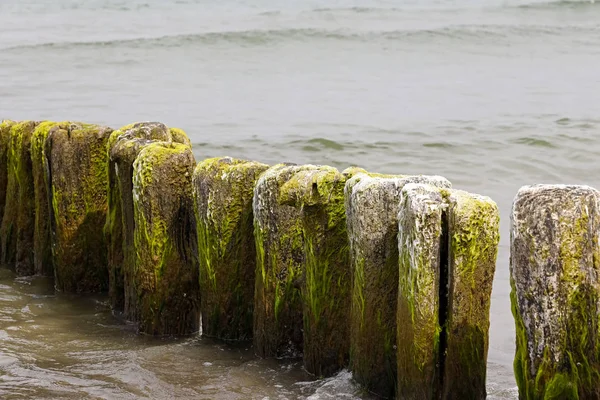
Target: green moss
(358,294)
(16,231)
(319,195)
(419,319)
(115,224)
(113,232)
(179,136)
(473,244)
(42,250)
(520,364)
(372,229)
(78,174)
(123,147)
(551,381)
(278,322)
(223,191)
(166,264)
(448,246)
(561,386)
(372,205)
(5,128)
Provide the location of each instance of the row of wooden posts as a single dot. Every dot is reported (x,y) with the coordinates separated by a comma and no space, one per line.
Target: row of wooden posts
(387,275)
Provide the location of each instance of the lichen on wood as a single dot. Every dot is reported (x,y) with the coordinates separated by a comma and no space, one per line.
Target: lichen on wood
(166,261)
(554,268)
(223,190)
(78,177)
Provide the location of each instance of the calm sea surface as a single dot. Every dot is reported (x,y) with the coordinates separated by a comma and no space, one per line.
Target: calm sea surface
(491,94)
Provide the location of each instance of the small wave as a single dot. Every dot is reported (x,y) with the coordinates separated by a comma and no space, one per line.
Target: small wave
(439,145)
(535,142)
(260,37)
(248,36)
(270,13)
(340,386)
(560,4)
(326,143)
(357,10)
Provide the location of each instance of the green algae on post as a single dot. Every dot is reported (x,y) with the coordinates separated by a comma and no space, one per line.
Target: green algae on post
(42,248)
(319,194)
(17,228)
(473,237)
(372,205)
(179,136)
(448,242)
(166,263)
(279,267)
(10,201)
(5,127)
(123,147)
(418,316)
(78,179)
(223,190)
(554,267)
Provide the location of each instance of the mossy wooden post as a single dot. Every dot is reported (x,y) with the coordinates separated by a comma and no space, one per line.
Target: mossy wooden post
(78,176)
(166,264)
(17,229)
(42,247)
(5,127)
(123,147)
(372,205)
(448,242)
(8,224)
(554,268)
(279,268)
(319,194)
(223,190)
(473,237)
(419,321)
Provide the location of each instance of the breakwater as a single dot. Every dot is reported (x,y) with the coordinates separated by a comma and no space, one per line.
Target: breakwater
(387,275)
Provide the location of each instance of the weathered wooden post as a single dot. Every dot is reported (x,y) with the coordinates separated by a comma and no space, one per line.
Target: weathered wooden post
(223,190)
(423,273)
(319,194)
(77,162)
(123,147)
(166,263)
(278,321)
(5,127)
(448,243)
(372,205)
(555,267)
(17,228)
(42,244)
(473,237)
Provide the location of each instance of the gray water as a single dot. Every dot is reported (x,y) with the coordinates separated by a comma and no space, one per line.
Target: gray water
(491,94)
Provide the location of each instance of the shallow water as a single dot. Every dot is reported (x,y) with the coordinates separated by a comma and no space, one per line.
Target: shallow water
(491,94)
